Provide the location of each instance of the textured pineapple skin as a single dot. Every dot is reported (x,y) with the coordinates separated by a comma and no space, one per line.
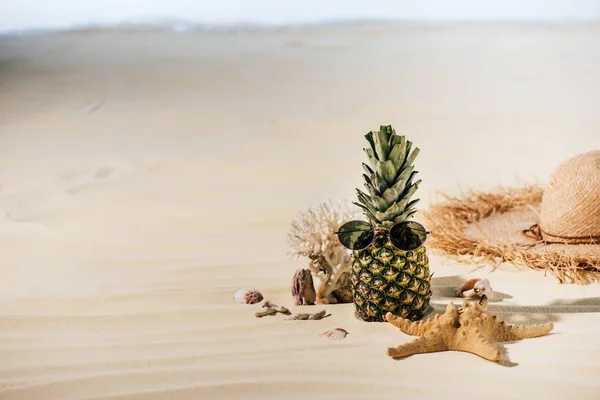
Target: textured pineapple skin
(385,279)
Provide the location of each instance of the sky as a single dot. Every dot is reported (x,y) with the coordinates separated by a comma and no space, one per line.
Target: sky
(59,14)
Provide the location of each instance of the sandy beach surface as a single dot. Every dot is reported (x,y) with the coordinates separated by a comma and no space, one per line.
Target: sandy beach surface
(145,176)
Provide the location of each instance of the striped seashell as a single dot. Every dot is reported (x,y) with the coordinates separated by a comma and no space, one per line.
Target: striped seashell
(248,296)
(335,334)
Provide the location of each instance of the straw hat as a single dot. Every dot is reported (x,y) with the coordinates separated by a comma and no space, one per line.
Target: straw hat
(554,227)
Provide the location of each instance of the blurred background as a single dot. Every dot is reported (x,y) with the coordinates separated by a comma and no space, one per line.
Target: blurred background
(38,14)
(154,153)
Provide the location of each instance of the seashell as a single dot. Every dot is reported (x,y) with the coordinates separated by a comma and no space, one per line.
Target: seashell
(248,296)
(475,287)
(335,334)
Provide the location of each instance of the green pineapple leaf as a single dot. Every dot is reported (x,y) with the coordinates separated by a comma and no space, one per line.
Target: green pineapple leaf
(368,169)
(388,177)
(406,206)
(381,145)
(407,195)
(406,173)
(366,201)
(398,154)
(404,216)
(411,158)
(392,138)
(388,171)
(372,158)
(410,179)
(408,148)
(369,137)
(391,212)
(391,195)
(379,182)
(399,139)
(411,205)
(402,203)
(403,178)
(410,214)
(380,217)
(410,190)
(370,188)
(379,202)
(371,216)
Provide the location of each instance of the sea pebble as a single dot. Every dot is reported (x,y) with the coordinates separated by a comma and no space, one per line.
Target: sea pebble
(335,334)
(303,289)
(248,296)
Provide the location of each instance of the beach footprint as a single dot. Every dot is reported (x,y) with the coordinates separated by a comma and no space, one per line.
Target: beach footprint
(103,172)
(81,180)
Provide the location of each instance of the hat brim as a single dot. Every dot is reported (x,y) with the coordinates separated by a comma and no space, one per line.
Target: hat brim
(488,226)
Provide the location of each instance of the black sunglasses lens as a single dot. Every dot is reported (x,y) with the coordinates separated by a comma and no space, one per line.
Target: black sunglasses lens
(408,235)
(356,235)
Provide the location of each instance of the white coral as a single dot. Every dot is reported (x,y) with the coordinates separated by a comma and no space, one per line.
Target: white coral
(312,235)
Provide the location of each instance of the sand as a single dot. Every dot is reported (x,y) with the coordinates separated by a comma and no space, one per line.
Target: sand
(146,176)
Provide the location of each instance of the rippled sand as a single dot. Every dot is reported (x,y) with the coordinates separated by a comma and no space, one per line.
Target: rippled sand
(146,176)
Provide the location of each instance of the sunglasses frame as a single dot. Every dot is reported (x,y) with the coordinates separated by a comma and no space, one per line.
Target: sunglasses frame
(379,229)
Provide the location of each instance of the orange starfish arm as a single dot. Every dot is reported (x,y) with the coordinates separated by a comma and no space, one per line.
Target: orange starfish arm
(471,341)
(409,327)
(500,331)
(430,343)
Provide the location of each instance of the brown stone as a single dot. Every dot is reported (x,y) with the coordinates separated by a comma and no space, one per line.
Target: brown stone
(303,288)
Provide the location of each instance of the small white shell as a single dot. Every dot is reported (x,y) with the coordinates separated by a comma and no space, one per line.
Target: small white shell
(475,287)
(335,334)
(248,296)
(484,287)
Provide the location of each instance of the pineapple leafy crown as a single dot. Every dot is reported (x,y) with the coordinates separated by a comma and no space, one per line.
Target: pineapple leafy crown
(388,178)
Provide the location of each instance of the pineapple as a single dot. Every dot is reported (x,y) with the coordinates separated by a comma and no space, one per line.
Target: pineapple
(385,278)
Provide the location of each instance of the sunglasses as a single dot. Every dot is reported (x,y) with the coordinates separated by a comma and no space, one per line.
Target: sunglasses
(406,235)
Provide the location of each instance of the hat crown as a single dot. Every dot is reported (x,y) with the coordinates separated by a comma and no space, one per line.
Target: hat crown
(570,209)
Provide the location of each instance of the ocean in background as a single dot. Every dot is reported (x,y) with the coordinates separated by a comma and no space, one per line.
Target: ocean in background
(182,26)
(26,17)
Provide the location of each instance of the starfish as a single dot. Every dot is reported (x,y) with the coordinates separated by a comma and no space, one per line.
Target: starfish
(468,328)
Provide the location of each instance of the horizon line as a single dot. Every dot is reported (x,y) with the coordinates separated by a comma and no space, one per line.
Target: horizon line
(183,25)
